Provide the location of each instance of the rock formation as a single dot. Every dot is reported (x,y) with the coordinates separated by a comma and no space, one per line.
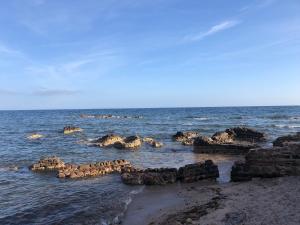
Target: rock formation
(131,142)
(48,163)
(159,176)
(152,142)
(238,140)
(112,140)
(34,136)
(186,138)
(108,140)
(288,139)
(71,129)
(269,162)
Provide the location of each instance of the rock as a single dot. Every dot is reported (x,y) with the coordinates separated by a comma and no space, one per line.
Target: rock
(240,172)
(34,136)
(285,140)
(183,136)
(198,171)
(158,176)
(208,145)
(108,140)
(223,137)
(131,142)
(94,169)
(48,163)
(152,142)
(70,130)
(246,134)
(269,162)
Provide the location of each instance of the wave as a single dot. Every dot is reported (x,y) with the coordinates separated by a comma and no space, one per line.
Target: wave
(286,126)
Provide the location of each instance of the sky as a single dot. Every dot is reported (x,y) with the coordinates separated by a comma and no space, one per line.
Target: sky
(68,54)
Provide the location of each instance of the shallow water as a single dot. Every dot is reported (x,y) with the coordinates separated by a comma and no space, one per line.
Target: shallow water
(35,198)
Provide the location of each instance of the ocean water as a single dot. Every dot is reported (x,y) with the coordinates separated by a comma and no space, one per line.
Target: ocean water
(41,198)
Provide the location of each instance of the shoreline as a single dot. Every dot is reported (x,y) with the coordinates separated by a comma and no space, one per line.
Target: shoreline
(271,201)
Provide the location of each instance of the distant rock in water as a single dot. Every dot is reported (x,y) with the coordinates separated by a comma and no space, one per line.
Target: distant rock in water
(269,162)
(48,163)
(153,143)
(238,140)
(34,136)
(108,116)
(107,140)
(186,138)
(286,140)
(160,176)
(71,129)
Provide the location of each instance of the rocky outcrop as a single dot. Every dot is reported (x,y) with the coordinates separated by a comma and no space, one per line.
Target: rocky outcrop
(48,163)
(153,143)
(160,176)
(237,140)
(286,140)
(131,142)
(71,129)
(208,145)
(186,138)
(93,169)
(198,171)
(107,140)
(34,136)
(269,162)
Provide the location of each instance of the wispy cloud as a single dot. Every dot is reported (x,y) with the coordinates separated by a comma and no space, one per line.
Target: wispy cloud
(4,49)
(213,30)
(54,92)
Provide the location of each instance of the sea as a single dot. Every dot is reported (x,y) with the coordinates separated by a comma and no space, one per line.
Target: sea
(28,197)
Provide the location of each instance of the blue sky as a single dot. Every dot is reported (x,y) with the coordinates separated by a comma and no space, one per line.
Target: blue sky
(148,53)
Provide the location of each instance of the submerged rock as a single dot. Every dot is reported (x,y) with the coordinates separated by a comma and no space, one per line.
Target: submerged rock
(288,139)
(152,142)
(34,136)
(159,176)
(269,162)
(198,171)
(48,163)
(71,129)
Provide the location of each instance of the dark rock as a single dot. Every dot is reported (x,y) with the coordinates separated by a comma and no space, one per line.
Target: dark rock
(246,134)
(285,140)
(185,137)
(240,172)
(198,171)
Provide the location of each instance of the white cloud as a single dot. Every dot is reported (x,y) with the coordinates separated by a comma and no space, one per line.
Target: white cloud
(213,30)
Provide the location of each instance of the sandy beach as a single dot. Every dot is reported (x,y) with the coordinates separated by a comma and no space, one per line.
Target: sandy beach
(261,201)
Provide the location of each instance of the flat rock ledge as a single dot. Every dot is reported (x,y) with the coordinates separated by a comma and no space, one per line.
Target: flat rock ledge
(234,141)
(286,140)
(160,176)
(71,129)
(268,162)
(79,171)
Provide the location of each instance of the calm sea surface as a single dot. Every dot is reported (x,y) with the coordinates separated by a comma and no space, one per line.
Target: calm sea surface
(39,198)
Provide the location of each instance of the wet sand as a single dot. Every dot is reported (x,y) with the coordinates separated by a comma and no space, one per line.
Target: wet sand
(273,201)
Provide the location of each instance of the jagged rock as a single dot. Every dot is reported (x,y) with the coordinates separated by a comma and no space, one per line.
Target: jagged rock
(208,145)
(182,136)
(158,176)
(70,129)
(108,140)
(285,140)
(94,169)
(223,137)
(152,142)
(198,171)
(34,136)
(131,142)
(240,172)
(246,134)
(48,163)
(270,162)
(150,176)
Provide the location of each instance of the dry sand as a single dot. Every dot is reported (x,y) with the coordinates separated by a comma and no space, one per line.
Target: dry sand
(273,201)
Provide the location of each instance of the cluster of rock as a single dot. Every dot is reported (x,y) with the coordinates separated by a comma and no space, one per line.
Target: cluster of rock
(71,129)
(93,169)
(186,138)
(159,176)
(34,136)
(65,170)
(48,163)
(131,142)
(283,159)
(238,140)
(108,116)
